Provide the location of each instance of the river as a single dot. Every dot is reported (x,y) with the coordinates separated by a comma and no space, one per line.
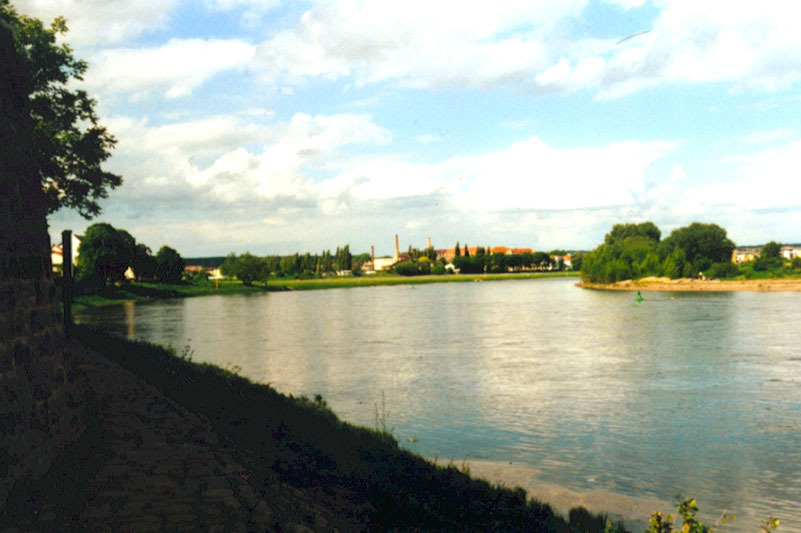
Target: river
(590,391)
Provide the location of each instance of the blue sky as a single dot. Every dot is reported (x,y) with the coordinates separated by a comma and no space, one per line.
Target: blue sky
(274,127)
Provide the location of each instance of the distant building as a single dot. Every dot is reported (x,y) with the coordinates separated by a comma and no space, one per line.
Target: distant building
(744,255)
(57,252)
(791,251)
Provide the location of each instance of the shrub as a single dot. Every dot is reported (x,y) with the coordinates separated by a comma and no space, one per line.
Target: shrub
(723,270)
(407,268)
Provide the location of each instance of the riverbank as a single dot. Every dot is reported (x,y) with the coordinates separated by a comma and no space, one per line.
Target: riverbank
(176,444)
(138,291)
(697,285)
(633,511)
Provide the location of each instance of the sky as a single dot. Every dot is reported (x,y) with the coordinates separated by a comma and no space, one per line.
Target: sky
(276,127)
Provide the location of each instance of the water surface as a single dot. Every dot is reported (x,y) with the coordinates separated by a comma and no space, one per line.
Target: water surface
(698,393)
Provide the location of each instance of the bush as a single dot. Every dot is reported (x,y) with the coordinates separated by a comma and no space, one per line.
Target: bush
(723,270)
(407,268)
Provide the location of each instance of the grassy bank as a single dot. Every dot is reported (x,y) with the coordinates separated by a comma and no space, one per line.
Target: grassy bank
(137,291)
(360,472)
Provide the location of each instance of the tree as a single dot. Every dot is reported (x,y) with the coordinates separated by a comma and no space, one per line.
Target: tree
(143,263)
(247,267)
(67,145)
(770,258)
(456,250)
(541,260)
(772,250)
(169,265)
(250,268)
(344,258)
(703,245)
(577,259)
(621,232)
(105,253)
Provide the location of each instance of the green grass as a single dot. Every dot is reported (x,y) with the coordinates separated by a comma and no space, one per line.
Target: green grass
(139,291)
(302,443)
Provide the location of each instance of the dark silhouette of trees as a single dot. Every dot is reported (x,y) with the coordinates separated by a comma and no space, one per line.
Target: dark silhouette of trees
(67,146)
(169,265)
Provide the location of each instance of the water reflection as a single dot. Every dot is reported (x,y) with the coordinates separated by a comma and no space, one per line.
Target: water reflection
(698,393)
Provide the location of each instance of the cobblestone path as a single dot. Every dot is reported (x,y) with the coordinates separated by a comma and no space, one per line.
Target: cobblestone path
(150,465)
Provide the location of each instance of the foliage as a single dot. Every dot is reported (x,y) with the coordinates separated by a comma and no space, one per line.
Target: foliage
(501,263)
(771,250)
(577,258)
(703,245)
(143,263)
(621,232)
(438,269)
(633,251)
(301,443)
(428,253)
(769,258)
(723,270)
(67,144)
(169,265)
(686,509)
(361,258)
(247,268)
(343,258)
(410,268)
(105,253)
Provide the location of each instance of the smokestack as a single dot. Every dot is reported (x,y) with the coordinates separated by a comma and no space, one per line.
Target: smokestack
(372,255)
(429,242)
(397,248)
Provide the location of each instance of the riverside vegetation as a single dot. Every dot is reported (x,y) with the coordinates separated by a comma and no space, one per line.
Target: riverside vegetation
(364,473)
(635,251)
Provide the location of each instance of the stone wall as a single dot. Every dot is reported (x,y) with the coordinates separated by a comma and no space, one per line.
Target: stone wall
(41,395)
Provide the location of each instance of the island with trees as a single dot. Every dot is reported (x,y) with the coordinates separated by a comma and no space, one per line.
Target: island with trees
(697,257)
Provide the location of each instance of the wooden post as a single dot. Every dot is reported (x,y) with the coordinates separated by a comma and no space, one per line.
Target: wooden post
(66,290)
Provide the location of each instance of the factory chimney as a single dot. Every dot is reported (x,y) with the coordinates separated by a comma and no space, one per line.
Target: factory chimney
(397,249)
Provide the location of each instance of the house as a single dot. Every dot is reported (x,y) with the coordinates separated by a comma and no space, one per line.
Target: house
(743,255)
(790,251)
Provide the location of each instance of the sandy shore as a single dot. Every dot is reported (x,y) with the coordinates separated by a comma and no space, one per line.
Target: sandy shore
(634,511)
(684,284)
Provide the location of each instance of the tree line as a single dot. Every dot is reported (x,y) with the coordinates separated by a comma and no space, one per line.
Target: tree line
(105,253)
(249,268)
(424,262)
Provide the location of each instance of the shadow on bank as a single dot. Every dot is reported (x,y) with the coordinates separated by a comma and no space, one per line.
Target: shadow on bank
(360,473)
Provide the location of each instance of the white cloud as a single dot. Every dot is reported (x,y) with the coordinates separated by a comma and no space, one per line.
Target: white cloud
(106,22)
(767,180)
(418,44)
(530,175)
(750,46)
(175,68)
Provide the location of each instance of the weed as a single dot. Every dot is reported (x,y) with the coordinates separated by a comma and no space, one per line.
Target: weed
(382,417)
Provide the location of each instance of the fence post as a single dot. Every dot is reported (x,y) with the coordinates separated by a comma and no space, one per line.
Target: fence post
(66,291)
